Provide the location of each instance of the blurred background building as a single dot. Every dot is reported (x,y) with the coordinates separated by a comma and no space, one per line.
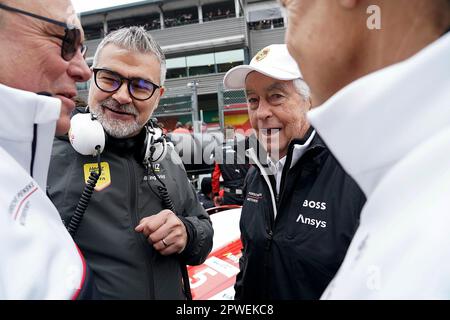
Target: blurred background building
(202,40)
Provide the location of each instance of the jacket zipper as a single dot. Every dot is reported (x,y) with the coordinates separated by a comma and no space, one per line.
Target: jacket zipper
(268,247)
(33,149)
(275,199)
(135,219)
(279,196)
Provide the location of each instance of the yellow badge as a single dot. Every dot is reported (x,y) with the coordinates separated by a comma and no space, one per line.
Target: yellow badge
(156,167)
(262,54)
(105,178)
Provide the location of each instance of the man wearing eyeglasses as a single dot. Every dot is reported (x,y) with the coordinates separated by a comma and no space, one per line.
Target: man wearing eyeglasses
(42,52)
(134,246)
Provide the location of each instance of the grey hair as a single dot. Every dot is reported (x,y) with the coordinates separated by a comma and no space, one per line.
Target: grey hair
(302,88)
(136,39)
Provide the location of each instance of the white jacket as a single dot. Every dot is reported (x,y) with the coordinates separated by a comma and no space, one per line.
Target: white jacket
(38,258)
(391,132)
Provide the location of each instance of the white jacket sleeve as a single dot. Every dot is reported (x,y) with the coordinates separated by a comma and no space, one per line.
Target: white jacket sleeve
(39,258)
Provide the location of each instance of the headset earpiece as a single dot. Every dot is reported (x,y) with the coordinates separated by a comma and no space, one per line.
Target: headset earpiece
(155,144)
(86,134)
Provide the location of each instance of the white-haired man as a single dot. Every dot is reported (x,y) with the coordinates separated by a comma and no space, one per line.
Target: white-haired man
(300,213)
(133,244)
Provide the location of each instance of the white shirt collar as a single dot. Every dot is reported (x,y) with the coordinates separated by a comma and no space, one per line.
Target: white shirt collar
(21,111)
(298,151)
(372,123)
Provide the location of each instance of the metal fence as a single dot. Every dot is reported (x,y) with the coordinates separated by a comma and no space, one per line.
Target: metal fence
(179,103)
(229,101)
(174,106)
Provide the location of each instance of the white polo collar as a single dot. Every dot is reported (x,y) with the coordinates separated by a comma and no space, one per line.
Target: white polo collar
(277,167)
(371,124)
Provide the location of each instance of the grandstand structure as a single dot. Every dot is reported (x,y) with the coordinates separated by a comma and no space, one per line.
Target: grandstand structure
(202,40)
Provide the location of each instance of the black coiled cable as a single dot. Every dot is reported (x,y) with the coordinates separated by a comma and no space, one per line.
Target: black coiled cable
(167,202)
(164,194)
(85,197)
(162,190)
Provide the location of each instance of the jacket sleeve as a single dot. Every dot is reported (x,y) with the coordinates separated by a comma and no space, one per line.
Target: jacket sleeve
(199,228)
(215,179)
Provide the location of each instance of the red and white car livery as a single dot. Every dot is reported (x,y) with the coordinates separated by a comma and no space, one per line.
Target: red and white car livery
(215,278)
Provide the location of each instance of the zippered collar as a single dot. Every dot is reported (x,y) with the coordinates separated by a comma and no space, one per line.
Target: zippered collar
(127,145)
(266,172)
(28,117)
(317,141)
(315,144)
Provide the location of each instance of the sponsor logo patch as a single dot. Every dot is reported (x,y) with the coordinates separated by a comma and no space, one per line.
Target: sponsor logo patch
(20,205)
(105,178)
(312,222)
(262,54)
(317,206)
(254,197)
(153,178)
(156,167)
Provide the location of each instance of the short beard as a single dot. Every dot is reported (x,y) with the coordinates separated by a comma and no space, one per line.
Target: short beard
(116,128)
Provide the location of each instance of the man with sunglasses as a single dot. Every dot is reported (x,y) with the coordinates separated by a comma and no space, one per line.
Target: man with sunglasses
(42,52)
(133,245)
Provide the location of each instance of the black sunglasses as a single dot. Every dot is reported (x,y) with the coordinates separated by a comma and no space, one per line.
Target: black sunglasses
(110,81)
(71,41)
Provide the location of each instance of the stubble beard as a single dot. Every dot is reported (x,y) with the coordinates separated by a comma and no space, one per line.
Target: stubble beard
(114,127)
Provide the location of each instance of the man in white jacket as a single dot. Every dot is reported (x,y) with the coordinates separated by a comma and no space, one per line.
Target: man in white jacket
(382,75)
(42,51)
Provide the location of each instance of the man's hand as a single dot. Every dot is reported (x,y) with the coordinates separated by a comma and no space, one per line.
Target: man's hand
(218,201)
(165,232)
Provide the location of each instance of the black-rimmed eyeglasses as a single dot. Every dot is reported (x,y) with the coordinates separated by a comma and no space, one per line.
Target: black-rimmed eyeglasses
(71,41)
(110,81)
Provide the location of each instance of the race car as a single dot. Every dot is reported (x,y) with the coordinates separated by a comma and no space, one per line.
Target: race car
(215,278)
